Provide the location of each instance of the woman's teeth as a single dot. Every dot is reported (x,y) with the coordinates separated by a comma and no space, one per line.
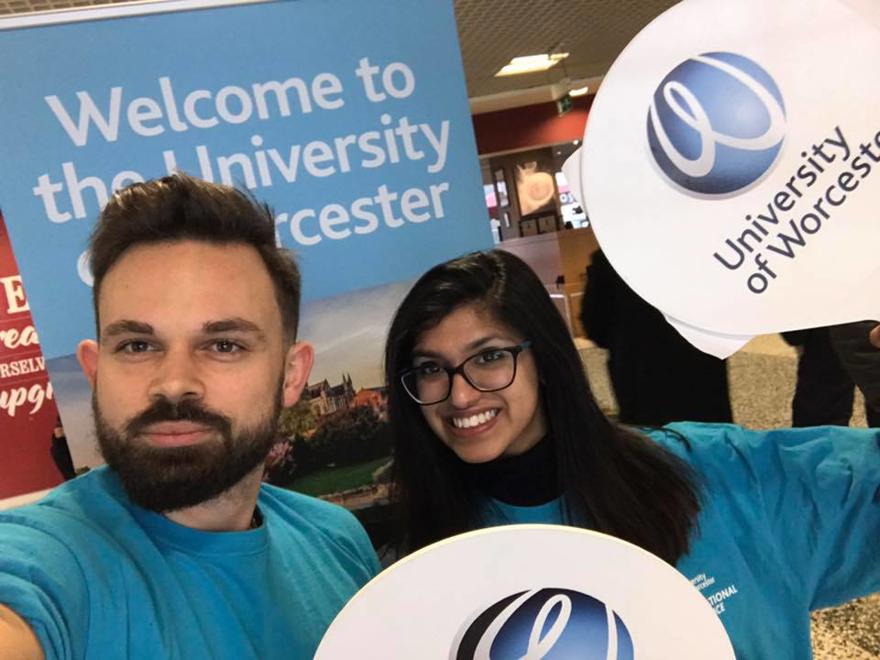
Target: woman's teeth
(473,420)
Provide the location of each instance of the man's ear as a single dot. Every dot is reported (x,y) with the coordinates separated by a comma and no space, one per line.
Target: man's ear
(87,356)
(297,367)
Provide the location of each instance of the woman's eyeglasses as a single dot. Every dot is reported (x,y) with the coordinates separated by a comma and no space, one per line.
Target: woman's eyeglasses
(489,370)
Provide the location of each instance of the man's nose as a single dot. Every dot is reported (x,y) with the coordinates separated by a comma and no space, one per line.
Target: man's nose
(177,377)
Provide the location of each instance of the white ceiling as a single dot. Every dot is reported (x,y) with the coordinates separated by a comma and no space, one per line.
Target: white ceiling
(493,31)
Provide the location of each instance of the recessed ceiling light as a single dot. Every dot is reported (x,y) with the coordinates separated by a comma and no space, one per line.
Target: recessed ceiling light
(580,91)
(531,64)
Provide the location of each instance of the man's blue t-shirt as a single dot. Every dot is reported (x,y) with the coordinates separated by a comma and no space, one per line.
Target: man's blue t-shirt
(98,577)
(790,522)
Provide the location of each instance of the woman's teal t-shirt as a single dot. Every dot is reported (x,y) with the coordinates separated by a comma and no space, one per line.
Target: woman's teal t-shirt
(790,522)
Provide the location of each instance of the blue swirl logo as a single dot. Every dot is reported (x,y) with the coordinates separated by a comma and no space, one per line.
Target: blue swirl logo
(557,624)
(716,123)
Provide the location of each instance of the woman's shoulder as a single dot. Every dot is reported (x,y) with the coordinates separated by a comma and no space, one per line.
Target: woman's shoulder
(730,449)
(804,499)
(691,440)
(705,436)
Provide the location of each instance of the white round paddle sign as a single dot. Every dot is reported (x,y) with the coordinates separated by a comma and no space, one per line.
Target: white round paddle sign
(724,188)
(526,592)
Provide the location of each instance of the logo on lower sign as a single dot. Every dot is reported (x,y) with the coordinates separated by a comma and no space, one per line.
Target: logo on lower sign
(552,623)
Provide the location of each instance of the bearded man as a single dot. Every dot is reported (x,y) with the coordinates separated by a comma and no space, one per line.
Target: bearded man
(176,549)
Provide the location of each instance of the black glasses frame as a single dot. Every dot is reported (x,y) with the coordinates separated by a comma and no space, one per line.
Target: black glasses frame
(451,371)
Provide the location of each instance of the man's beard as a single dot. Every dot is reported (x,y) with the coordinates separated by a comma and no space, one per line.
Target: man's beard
(170,478)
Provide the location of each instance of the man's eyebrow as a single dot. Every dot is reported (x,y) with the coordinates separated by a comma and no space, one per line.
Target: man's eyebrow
(232,325)
(126,326)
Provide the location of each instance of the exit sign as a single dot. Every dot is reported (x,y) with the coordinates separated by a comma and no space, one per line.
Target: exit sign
(564,104)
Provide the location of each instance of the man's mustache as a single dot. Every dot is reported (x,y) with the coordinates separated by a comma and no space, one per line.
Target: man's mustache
(188,410)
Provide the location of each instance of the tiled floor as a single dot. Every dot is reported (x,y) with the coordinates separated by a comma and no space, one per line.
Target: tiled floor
(762,377)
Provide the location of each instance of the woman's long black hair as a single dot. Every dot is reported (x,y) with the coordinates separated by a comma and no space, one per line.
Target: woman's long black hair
(616,479)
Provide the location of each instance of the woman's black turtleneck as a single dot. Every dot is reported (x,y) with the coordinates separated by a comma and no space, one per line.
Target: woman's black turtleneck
(528,479)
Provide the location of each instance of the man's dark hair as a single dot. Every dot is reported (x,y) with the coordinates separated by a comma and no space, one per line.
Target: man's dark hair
(180,207)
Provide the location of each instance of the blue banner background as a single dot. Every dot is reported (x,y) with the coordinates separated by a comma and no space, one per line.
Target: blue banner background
(237,46)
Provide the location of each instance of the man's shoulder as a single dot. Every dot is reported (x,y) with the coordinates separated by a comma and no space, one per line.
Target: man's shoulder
(322,524)
(299,508)
(82,517)
(85,498)
(60,549)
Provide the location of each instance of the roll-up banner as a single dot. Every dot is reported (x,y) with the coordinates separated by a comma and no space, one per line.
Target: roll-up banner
(349,118)
(28,417)
(730,167)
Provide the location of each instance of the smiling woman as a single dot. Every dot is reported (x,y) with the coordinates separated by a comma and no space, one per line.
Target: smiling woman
(492,409)
(471,311)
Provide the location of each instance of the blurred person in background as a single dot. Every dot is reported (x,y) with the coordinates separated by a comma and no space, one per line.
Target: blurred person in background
(831,362)
(656,374)
(61,452)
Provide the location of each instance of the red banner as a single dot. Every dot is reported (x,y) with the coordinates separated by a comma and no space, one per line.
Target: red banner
(28,414)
